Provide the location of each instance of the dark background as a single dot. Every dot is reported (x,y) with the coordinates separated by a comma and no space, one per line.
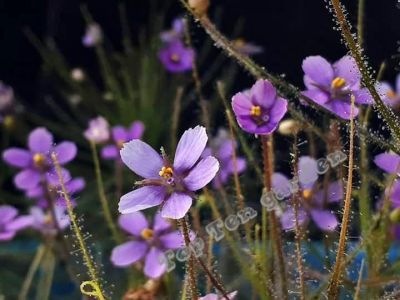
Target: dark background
(289,30)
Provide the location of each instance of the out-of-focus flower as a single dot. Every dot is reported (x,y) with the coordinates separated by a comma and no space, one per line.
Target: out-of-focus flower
(388,94)
(93,35)
(211,296)
(176,33)
(169,185)
(259,110)
(222,148)
(289,127)
(200,7)
(389,162)
(176,57)
(44,222)
(75,99)
(6,104)
(98,131)
(313,199)
(246,48)
(11,223)
(35,161)
(149,244)
(77,74)
(121,135)
(331,86)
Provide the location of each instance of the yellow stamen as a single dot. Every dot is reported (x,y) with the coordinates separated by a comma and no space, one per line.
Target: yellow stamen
(255,111)
(395,216)
(391,94)
(175,58)
(38,159)
(48,219)
(338,83)
(147,233)
(166,172)
(307,194)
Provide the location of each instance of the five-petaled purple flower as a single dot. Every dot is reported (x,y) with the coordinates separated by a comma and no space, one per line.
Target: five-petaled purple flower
(176,57)
(43,221)
(331,86)
(212,296)
(93,35)
(98,131)
(168,184)
(259,110)
(175,33)
(389,95)
(11,223)
(35,162)
(149,243)
(121,135)
(313,199)
(222,148)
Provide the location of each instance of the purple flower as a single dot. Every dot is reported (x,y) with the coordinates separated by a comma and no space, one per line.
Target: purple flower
(44,222)
(35,162)
(313,199)
(121,135)
(389,162)
(259,110)
(176,57)
(149,243)
(246,48)
(175,33)
(166,184)
(389,95)
(211,296)
(10,222)
(93,35)
(332,85)
(98,130)
(222,148)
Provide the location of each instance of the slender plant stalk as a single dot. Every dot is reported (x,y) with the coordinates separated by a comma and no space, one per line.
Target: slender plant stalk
(276,234)
(93,274)
(333,289)
(102,194)
(359,281)
(209,260)
(360,22)
(175,116)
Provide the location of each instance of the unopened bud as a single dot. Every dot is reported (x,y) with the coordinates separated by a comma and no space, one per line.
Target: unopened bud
(395,215)
(77,75)
(200,7)
(289,127)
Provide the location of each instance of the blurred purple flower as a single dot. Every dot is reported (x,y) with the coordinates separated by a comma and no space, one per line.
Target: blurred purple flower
(175,33)
(388,162)
(44,222)
(176,57)
(98,131)
(259,110)
(222,148)
(169,185)
(149,243)
(390,95)
(11,223)
(93,35)
(211,296)
(121,135)
(332,85)
(35,162)
(246,48)
(312,200)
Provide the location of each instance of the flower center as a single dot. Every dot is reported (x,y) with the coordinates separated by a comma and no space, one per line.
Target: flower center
(175,58)
(239,42)
(39,159)
(48,219)
(120,143)
(391,94)
(307,194)
(255,111)
(338,83)
(147,233)
(166,172)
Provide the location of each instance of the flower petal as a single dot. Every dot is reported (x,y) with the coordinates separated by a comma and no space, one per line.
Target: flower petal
(346,68)
(317,96)
(66,151)
(388,162)
(27,179)
(176,206)
(136,130)
(281,185)
(202,173)
(128,253)
(172,240)
(119,133)
(40,140)
(142,198)
(154,265)
(318,69)
(324,219)
(19,223)
(288,220)
(7,235)
(7,213)
(241,104)
(342,109)
(133,223)
(141,159)
(109,152)
(160,224)
(17,157)
(278,110)
(335,191)
(263,94)
(75,185)
(308,174)
(190,147)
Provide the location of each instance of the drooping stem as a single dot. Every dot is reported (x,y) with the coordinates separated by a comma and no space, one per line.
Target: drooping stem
(102,194)
(95,282)
(333,288)
(276,233)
